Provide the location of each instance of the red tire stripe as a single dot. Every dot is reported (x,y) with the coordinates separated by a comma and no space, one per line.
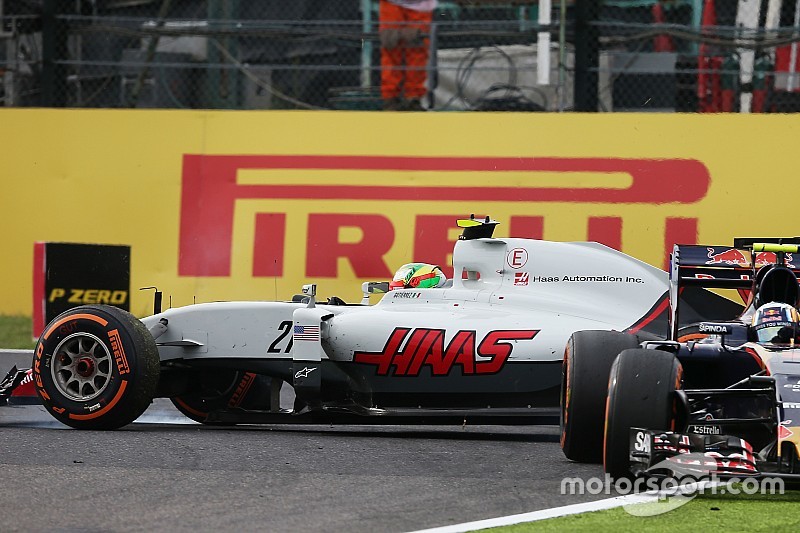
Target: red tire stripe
(190,409)
(93,318)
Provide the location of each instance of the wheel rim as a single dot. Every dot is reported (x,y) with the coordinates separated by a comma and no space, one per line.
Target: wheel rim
(81,367)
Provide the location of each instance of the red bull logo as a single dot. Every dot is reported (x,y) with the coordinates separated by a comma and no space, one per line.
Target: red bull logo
(771,258)
(731,256)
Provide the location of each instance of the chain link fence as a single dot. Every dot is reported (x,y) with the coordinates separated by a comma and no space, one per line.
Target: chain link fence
(699,55)
(521,55)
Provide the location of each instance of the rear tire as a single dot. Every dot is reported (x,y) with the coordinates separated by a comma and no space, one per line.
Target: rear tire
(640,394)
(96,367)
(587,362)
(219,389)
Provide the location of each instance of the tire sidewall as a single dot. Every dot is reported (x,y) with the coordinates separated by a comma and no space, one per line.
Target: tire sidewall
(124,367)
(588,358)
(642,399)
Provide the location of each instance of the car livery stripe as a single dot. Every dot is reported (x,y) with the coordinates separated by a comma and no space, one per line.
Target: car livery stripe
(658,308)
(692,337)
(754,354)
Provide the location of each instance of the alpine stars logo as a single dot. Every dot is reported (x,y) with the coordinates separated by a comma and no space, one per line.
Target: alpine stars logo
(303,373)
(408,350)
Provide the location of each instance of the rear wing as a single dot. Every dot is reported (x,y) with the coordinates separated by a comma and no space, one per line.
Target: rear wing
(726,267)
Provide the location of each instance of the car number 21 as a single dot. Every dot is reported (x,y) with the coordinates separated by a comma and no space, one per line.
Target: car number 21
(285,329)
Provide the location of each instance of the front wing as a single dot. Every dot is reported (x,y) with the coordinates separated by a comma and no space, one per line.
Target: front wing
(670,454)
(17,388)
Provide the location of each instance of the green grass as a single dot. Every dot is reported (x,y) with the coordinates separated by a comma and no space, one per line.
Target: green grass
(759,512)
(15,332)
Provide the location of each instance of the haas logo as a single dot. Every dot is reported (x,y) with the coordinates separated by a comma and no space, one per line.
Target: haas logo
(426,347)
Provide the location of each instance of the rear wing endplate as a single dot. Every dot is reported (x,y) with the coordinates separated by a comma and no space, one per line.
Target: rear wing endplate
(726,267)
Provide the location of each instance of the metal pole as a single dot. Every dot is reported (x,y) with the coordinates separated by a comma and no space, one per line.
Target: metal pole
(587,56)
(433,65)
(793,54)
(562,54)
(13,64)
(366,44)
(149,55)
(747,17)
(54,50)
(543,43)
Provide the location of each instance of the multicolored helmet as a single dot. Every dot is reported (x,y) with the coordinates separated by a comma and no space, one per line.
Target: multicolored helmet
(776,323)
(418,276)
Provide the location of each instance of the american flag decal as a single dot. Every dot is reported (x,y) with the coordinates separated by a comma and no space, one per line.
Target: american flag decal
(306,333)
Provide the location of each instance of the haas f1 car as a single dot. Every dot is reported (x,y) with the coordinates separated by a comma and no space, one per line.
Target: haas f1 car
(484,347)
(715,398)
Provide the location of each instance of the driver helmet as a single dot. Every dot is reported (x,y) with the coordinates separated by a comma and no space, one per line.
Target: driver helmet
(418,276)
(776,323)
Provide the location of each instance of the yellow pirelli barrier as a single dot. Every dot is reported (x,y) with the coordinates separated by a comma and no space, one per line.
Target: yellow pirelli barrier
(251,205)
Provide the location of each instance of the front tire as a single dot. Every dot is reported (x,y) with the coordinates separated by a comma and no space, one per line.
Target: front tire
(587,362)
(96,367)
(641,394)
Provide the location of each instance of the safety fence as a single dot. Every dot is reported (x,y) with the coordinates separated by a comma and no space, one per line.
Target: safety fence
(517,55)
(699,55)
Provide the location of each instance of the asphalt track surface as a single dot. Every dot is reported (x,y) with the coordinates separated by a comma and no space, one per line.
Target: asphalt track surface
(166,473)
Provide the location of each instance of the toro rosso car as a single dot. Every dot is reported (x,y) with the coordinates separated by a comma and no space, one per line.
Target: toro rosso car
(484,347)
(717,398)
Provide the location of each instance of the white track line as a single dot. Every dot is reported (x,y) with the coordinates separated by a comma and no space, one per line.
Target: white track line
(599,505)
(555,512)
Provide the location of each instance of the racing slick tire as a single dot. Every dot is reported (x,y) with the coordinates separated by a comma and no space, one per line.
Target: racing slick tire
(587,362)
(640,394)
(219,389)
(96,367)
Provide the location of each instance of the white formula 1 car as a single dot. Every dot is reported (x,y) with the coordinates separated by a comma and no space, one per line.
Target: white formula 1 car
(485,348)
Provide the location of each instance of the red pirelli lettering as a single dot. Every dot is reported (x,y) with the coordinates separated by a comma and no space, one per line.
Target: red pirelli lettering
(210,191)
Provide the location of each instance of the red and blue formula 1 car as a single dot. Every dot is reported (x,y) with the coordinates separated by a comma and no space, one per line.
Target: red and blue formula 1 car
(485,347)
(715,397)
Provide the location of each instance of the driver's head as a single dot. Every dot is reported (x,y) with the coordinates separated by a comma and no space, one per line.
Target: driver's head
(417,276)
(776,323)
